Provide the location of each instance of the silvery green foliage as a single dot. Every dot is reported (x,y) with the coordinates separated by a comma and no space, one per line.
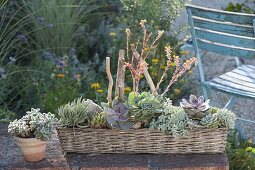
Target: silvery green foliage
(226,118)
(219,118)
(174,120)
(33,124)
(77,113)
(144,106)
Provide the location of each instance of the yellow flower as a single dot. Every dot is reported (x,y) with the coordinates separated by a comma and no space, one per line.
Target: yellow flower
(60,75)
(147,49)
(95,85)
(172,64)
(155,61)
(127,90)
(163,67)
(112,34)
(152,21)
(184,52)
(177,91)
(100,91)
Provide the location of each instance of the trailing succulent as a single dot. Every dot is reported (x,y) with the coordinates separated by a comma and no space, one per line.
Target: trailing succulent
(174,120)
(33,124)
(196,107)
(117,115)
(144,106)
(78,113)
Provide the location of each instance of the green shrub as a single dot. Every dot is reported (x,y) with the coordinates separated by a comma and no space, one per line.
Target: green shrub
(6,116)
(241,153)
(245,7)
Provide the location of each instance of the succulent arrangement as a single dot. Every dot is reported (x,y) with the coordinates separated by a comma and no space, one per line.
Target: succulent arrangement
(33,124)
(145,109)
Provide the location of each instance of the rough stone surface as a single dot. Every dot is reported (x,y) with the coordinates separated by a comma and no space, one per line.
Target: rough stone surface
(11,159)
(145,161)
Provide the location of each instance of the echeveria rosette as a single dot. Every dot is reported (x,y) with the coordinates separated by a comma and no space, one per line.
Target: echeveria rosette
(196,107)
(117,117)
(219,118)
(144,106)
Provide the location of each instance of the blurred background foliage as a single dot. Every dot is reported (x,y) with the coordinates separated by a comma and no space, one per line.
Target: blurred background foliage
(53,51)
(248,6)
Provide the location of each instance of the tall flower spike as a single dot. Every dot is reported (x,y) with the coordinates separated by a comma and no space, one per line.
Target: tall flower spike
(128,32)
(178,73)
(169,60)
(160,33)
(142,23)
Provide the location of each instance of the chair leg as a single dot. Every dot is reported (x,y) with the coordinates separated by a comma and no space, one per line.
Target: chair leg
(205,93)
(230,103)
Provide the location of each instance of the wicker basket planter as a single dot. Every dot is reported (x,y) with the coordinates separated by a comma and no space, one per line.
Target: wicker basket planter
(97,141)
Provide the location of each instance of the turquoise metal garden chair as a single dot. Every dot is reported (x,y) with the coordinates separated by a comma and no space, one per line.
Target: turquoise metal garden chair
(226,33)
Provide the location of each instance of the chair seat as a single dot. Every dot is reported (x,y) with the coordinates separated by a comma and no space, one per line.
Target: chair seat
(238,82)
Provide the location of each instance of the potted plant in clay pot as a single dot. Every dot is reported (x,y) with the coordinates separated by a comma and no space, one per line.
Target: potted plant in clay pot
(32,132)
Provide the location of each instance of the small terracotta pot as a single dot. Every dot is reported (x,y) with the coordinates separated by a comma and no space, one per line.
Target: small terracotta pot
(31,148)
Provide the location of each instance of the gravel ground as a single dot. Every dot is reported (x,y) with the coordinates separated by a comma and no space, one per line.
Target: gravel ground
(215,65)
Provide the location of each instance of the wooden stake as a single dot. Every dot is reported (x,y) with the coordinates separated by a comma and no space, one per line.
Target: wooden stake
(150,82)
(109,76)
(119,88)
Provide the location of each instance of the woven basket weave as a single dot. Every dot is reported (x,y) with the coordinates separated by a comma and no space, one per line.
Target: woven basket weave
(97,141)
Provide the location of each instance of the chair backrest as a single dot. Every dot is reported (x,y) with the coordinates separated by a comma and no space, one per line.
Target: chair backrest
(227,33)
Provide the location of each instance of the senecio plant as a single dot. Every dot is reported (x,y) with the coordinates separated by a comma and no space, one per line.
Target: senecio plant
(33,125)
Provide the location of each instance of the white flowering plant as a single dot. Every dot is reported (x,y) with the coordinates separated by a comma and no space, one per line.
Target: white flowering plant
(33,125)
